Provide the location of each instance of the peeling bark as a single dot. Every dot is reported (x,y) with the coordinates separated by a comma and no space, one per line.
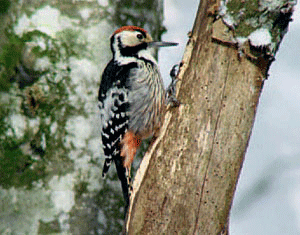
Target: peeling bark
(187,179)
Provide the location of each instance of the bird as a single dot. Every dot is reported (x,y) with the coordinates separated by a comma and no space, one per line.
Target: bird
(132,99)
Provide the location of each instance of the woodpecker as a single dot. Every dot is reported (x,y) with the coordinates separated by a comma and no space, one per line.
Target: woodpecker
(132,99)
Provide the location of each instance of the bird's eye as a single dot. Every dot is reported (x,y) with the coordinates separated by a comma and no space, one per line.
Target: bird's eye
(140,36)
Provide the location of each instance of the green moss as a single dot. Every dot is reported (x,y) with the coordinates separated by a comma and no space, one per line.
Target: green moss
(73,42)
(246,9)
(243,12)
(4,6)
(248,16)
(52,50)
(4,112)
(251,15)
(244,30)
(16,168)
(9,59)
(24,159)
(81,188)
(111,201)
(49,227)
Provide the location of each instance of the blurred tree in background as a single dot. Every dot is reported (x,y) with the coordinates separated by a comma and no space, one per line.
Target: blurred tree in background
(52,54)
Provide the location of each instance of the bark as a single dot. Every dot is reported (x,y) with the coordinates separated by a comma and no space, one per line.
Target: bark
(187,179)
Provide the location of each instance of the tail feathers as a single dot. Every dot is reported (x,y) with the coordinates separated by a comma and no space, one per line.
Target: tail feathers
(106,166)
(123,177)
(121,170)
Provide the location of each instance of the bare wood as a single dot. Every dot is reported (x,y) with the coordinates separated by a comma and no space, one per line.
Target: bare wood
(186,182)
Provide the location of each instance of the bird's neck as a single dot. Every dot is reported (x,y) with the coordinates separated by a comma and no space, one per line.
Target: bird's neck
(141,55)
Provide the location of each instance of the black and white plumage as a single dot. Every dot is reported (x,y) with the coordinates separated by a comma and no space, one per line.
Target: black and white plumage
(114,106)
(131,99)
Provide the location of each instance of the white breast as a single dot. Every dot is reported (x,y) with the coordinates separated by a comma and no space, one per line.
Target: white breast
(146,98)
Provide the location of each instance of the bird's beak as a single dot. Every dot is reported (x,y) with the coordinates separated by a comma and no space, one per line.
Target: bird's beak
(162,44)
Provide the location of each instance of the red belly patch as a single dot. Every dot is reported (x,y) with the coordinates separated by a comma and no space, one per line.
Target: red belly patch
(129,145)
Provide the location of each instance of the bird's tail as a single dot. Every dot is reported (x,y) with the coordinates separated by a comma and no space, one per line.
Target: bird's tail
(121,171)
(106,166)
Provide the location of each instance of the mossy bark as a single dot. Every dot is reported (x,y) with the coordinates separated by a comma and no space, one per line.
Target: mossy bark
(52,54)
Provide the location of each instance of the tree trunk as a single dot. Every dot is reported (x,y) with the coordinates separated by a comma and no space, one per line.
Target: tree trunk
(187,179)
(51,56)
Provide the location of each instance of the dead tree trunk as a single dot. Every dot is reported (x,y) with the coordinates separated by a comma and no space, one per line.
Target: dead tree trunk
(186,182)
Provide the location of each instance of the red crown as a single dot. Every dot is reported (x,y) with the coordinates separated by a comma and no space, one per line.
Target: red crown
(129,28)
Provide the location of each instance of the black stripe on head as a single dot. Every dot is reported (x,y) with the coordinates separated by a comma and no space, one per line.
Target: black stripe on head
(130,51)
(143,33)
(112,40)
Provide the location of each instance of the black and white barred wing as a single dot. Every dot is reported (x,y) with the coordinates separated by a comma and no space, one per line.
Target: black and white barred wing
(113,104)
(114,124)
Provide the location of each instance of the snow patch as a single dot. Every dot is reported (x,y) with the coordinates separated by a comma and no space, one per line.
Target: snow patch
(260,37)
(83,69)
(47,20)
(241,40)
(85,13)
(101,217)
(53,128)
(79,130)
(103,3)
(62,194)
(23,23)
(273,4)
(41,64)
(227,18)
(18,123)
(85,74)
(64,222)
(88,172)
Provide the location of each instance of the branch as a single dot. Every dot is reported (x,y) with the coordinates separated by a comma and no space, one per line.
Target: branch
(187,179)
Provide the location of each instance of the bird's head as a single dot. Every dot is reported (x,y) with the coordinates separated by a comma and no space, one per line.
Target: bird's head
(128,41)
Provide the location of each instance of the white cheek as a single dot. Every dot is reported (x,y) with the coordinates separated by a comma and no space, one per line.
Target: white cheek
(131,42)
(147,54)
(129,39)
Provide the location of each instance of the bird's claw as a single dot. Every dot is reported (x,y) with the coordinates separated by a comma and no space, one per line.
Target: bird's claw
(171,90)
